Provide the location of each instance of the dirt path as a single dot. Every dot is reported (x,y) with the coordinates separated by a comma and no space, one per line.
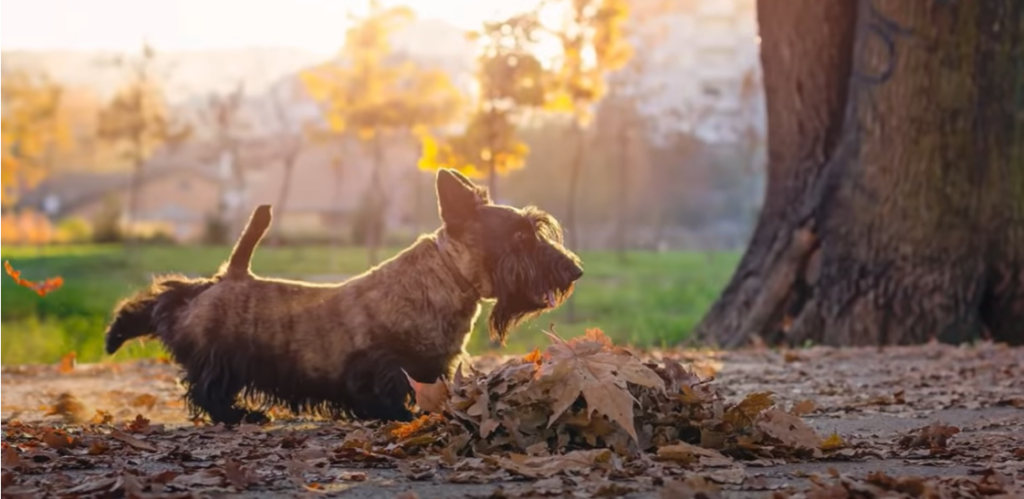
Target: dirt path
(874,400)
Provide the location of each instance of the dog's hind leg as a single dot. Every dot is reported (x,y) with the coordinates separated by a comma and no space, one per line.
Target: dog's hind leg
(216,393)
(376,386)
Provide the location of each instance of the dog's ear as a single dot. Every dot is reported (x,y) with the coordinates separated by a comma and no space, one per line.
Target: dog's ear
(458,198)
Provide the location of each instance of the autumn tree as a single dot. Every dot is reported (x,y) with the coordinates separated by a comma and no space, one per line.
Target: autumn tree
(32,130)
(511,79)
(372,93)
(894,208)
(292,138)
(136,121)
(593,45)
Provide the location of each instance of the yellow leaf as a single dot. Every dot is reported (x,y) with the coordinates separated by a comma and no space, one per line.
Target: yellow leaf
(833,442)
(743,414)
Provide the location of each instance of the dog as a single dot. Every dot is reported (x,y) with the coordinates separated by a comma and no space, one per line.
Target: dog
(344,349)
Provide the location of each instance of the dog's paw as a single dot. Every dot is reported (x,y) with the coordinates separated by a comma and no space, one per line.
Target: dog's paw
(256,417)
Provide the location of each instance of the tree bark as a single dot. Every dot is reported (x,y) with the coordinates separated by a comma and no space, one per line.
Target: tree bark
(894,210)
(291,155)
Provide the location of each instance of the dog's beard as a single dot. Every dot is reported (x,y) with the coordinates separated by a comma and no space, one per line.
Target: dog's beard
(522,292)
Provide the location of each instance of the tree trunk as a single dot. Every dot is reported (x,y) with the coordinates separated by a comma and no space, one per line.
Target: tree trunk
(290,157)
(894,210)
(571,234)
(621,205)
(377,205)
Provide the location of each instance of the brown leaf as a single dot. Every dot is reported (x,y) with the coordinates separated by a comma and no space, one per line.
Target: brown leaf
(57,439)
(239,476)
(591,366)
(430,397)
(11,459)
(106,483)
(70,408)
(803,407)
(132,441)
(210,477)
(101,417)
(138,425)
(98,447)
(693,486)
(67,363)
(788,429)
(548,466)
(743,414)
(686,454)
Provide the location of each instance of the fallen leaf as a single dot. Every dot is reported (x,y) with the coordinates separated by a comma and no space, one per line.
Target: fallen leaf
(430,397)
(591,367)
(548,466)
(57,439)
(743,414)
(803,407)
(239,476)
(67,363)
(210,477)
(687,454)
(788,429)
(132,441)
(832,442)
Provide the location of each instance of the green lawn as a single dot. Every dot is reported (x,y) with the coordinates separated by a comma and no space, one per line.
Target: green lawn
(652,300)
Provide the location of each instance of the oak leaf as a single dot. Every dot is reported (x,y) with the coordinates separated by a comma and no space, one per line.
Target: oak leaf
(592,366)
(788,429)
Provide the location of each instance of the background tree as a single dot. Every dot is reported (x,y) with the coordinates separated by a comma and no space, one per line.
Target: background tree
(593,44)
(33,130)
(136,122)
(894,209)
(223,113)
(510,81)
(292,141)
(369,92)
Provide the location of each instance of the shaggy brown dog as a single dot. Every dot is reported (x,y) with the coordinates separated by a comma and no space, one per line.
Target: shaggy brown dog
(340,349)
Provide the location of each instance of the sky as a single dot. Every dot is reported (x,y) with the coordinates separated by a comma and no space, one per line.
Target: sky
(315,25)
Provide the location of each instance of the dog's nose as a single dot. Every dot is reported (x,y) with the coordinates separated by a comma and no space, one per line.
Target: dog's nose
(576,272)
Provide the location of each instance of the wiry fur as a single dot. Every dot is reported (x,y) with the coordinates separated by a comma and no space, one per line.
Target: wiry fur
(150,312)
(339,349)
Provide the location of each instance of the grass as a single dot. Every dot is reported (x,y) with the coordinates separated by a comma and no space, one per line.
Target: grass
(651,300)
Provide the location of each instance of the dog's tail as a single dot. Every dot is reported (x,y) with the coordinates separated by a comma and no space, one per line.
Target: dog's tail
(239,264)
(151,311)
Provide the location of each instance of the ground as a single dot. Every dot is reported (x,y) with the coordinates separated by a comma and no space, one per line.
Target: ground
(969,400)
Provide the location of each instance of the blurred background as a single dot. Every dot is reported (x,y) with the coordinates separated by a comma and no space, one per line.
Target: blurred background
(138,136)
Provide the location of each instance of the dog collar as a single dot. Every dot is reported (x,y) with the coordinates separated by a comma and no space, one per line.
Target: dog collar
(464,284)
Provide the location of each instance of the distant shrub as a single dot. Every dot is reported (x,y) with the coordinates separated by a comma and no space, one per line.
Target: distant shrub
(106,224)
(74,230)
(215,230)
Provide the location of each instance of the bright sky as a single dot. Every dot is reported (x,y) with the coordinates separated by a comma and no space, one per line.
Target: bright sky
(316,25)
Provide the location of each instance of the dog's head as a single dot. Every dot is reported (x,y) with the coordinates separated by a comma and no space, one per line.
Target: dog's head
(515,255)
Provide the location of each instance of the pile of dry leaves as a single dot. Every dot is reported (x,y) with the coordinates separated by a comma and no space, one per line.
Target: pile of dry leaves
(587,393)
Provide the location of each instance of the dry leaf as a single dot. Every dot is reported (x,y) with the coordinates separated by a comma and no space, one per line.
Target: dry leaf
(42,288)
(70,408)
(833,442)
(592,367)
(239,476)
(687,454)
(788,429)
(132,441)
(803,407)
(67,363)
(430,397)
(743,414)
(548,466)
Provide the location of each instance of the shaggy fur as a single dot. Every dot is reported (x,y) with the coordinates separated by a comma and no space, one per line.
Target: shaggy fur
(340,349)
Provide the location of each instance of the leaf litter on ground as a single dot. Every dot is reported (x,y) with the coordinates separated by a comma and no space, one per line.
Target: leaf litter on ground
(582,413)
